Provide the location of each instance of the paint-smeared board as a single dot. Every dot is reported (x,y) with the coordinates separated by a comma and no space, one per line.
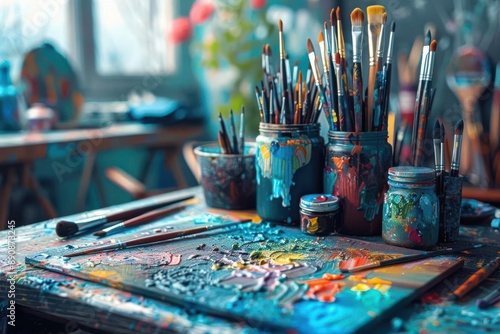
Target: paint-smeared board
(263,275)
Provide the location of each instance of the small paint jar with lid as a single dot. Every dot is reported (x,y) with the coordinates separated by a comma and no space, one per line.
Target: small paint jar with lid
(318,214)
(411,211)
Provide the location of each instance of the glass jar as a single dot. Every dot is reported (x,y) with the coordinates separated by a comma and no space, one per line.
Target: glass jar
(411,209)
(318,214)
(289,160)
(356,173)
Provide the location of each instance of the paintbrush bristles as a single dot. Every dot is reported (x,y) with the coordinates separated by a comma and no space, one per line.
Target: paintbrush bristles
(281,40)
(459,128)
(340,35)
(65,228)
(312,60)
(357,20)
(433,46)
(374,24)
(322,49)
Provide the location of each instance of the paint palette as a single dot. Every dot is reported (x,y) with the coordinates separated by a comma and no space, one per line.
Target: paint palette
(271,277)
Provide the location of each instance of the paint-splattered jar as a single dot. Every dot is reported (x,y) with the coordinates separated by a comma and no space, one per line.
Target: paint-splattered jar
(289,161)
(411,209)
(318,214)
(356,173)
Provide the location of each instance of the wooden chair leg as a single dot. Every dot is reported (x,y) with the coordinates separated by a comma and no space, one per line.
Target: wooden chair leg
(85,182)
(8,175)
(33,185)
(171,163)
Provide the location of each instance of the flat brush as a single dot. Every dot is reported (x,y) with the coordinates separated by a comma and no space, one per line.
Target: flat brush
(153,238)
(374,24)
(66,228)
(403,259)
(381,42)
(439,164)
(326,70)
(145,217)
(457,146)
(357,20)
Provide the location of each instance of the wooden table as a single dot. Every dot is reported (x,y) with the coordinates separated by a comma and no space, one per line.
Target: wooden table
(83,304)
(70,149)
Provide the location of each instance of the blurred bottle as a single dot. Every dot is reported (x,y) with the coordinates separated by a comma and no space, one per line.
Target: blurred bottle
(9,107)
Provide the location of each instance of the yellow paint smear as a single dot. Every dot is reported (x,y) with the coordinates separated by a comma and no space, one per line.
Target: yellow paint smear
(102,274)
(360,287)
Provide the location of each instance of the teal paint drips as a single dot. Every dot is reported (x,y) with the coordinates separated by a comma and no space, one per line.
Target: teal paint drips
(289,162)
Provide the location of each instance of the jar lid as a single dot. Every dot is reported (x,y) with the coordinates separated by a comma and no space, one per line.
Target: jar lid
(319,202)
(408,174)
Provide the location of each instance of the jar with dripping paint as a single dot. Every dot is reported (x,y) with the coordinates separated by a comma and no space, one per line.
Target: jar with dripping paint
(356,172)
(289,162)
(411,209)
(318,214)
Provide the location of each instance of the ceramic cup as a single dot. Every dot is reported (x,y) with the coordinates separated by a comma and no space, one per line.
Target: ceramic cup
(228,180)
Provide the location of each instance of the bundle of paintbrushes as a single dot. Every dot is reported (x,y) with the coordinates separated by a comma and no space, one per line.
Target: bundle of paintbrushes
(423,100)
(231,144)
(337,91)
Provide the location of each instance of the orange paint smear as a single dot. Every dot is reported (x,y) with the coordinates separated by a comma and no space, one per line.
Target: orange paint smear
(324,289)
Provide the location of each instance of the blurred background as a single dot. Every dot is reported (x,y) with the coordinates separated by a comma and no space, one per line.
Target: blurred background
(97,63)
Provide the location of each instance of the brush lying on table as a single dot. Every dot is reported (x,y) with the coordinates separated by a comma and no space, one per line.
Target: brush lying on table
(66,228)
(146,217)
(345,265)
(154,238)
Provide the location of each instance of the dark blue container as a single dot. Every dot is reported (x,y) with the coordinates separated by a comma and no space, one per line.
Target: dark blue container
(411,208)
(289,162)
(356,172)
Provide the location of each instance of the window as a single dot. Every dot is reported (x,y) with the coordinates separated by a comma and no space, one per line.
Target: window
(122,46)
(115,46)
(25,25)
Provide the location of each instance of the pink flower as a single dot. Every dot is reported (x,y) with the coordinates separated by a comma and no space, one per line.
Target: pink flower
(201,11)
(257,4)
(181,30)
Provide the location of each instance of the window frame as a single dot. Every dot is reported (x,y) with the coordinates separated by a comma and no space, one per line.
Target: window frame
(178,84)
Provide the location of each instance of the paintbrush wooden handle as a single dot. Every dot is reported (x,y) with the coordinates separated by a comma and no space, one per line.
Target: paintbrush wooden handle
(372,76)
(357,95)
(167,236)
(152,215)
(128,214)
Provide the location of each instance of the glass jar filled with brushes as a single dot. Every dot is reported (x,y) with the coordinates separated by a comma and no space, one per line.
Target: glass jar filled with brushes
(289,161)
(411,208)
(356,172)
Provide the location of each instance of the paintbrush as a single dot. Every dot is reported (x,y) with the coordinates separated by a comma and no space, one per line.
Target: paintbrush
(259,105)
(333,82)
(439,164)
(406,258)
(475,279)
(265,104)
(145,217)
(343,66)
(326,70)
(224,136)
(424,105)
(235,149)
(333,26)
(388,72)
(418,96)
(66,228)
(357,20)
(317,79)
(457,146)
(283,68)
(342,107)
(381,42)
(153,238)
(242,131)
(374,24)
